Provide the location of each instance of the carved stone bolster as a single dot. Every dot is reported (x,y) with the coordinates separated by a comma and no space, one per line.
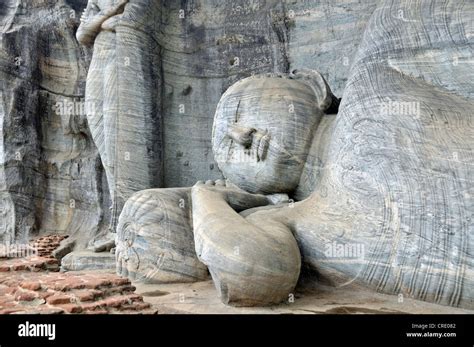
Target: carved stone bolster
(250,265)
(155,238)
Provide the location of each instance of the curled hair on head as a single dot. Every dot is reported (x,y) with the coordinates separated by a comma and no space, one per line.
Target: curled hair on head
(327,102)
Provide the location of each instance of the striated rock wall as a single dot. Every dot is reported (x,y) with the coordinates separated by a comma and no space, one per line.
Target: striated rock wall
(205,50)
(209,45)
(325,35)
(397,182)
(50,174)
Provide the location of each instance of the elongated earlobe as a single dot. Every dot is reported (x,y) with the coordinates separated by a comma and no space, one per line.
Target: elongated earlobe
(326,100)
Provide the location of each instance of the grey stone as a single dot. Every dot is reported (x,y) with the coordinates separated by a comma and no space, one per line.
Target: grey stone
(198,50)
(87,260)
(123,94)
(50,173)
(383,189)
(155,238)
(381,193)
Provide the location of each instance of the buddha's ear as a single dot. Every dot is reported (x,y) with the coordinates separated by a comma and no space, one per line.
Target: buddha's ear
(326,100)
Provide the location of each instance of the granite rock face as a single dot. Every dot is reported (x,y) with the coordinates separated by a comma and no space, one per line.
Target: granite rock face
(325,36)
(385,185)
(51,176)
(384,196)
(398,178)
(391,206)
(123,94)
(210,45)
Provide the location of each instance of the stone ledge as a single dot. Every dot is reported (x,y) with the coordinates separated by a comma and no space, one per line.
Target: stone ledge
(88,260)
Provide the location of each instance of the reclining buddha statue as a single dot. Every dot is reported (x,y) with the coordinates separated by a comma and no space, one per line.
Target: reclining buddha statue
(380,194)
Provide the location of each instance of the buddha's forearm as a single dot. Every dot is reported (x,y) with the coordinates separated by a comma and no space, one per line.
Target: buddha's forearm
(212,211)
(252,262)
(226,199)
(214,219)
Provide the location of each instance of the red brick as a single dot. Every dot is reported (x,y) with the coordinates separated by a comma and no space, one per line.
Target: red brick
(92,292)
(136,306)
(18,267)
(35,268)
(11,290)
(93,306)
(96,283)
(46,294)
(71,308)
(120,290)
(87,295)
(51,261)
(120,281)
(31,285)
(69,283)
(58,299)
(117,301)
(25,296)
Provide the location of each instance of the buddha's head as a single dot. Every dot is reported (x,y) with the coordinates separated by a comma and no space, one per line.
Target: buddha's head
(264,127)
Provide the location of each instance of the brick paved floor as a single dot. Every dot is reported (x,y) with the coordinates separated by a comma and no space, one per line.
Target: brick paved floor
(34,284)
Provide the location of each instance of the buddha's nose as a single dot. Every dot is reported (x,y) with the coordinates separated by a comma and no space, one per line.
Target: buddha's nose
(242,135)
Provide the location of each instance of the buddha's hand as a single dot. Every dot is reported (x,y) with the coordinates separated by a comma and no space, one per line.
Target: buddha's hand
(114,14)
(214,192)
(115,9)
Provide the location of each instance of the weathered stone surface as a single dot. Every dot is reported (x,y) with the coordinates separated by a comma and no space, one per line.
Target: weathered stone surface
(388,179)
(49,171)
(53,177)
(200,298)
(215,43)
(393,185)
(211,46)
(87,259)
(324,36)
(155,241)
(123,94)
(398,177)
(33,288)
(387,191)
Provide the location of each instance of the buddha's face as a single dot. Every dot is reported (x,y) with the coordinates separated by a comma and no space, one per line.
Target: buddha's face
(262,133)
